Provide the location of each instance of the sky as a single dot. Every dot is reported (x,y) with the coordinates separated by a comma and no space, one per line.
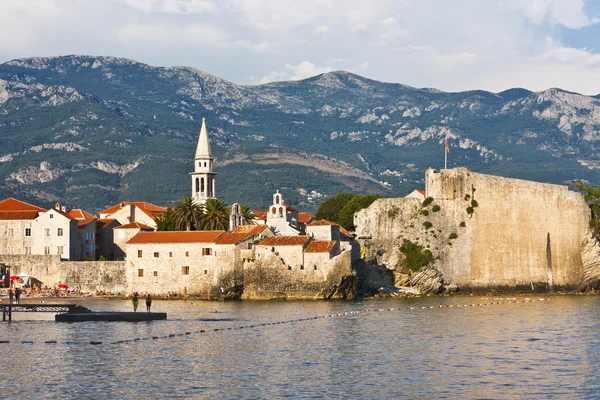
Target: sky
(451,45)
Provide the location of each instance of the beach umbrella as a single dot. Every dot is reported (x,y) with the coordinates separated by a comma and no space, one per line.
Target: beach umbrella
(15,278)
(62,286)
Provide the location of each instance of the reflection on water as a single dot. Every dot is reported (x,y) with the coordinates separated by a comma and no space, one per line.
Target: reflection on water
(547,349)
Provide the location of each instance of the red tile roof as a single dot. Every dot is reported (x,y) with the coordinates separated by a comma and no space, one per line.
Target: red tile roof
(421,191)
(241,233)
(64,214)
(324,222)
(103,222)
(149,209)
(13,215)
(320,246)
(260,214)
(136,225)
(285,241)
(175,237)
(303,218)
(251,229)
(78,213)
(12,204)
(84,222)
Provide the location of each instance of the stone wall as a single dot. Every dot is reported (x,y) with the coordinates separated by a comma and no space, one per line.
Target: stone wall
(520,233)
(87,276)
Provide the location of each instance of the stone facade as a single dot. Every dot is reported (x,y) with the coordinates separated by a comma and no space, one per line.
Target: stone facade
(486,231)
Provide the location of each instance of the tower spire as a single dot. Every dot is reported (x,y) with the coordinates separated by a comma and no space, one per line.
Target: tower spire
(203,177)
(203,148)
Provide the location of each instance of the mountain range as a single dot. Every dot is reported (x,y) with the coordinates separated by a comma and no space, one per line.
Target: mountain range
(93,131)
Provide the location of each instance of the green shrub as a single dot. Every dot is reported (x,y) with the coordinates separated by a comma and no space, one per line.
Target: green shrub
(101,258)
(467,197)
(462,224)
(425,212)
(470,210)
(393,212)
(427,224)
(427,201)
(435,208)
(453,235)
(415,256)
(474,203)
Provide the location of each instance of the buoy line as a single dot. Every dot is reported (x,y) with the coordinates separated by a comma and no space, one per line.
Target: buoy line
(496,301)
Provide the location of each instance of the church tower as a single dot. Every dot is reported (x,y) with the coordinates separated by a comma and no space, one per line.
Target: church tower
(203,177)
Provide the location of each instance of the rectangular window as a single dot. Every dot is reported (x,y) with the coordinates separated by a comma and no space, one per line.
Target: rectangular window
(59,232)
(28,251)
(140,272)
(27,231)
(187,253)
(89,235)
(46,250)
(139,254)
(51,216)
(185,270)
(155,273)
(205,272)
(170,254)
(59,250)
(10,232)
(250,246)
(156,254)
(90,248)
(207,251)
(46,231)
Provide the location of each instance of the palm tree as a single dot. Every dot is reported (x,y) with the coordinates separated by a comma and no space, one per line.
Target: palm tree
(249,217)
(188,214)
(216,215)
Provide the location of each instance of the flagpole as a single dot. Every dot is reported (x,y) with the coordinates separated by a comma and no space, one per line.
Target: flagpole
(446,153)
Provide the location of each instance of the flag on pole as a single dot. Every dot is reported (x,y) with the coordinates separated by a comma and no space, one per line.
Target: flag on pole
(447,147)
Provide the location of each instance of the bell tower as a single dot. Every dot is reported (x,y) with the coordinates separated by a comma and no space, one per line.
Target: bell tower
(203,177)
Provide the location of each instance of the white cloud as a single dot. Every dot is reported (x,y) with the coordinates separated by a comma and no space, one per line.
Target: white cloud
(390,31)
(274,76)
(360,68)
(570,13)
(172,6)
(305,69)
(322,29)
(164,35)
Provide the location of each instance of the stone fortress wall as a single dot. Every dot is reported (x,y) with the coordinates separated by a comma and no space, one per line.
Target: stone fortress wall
(520,233)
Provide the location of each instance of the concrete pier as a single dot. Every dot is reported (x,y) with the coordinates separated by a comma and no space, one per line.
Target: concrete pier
(110,316)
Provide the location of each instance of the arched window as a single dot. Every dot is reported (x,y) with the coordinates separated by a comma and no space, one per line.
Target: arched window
(280,211)
(197,185)
(202,185)
(274,210)
(276,199)
(205,163)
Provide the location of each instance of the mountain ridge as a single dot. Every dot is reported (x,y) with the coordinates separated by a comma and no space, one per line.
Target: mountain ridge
(92,131)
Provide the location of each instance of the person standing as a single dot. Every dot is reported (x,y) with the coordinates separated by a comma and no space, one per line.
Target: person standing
(135,301)
(17,295)
(10,296)
(148,302)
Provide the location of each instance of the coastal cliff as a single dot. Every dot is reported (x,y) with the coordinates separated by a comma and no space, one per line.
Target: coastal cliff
(486,232)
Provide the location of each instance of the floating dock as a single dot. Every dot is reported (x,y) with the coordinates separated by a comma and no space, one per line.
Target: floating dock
(109,316)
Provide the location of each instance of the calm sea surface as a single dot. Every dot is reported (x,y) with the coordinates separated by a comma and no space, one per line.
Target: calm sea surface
(547,349)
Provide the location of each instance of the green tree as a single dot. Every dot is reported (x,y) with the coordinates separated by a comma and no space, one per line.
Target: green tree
(330,208)
(591,195)
(188,214)
(357,203)
(216,215)
(167,221)
(248,216)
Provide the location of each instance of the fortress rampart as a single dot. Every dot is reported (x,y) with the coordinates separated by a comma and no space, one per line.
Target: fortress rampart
(519,233)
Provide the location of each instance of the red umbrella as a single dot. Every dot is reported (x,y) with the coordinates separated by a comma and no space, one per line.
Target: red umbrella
(15,278)
(62,286)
